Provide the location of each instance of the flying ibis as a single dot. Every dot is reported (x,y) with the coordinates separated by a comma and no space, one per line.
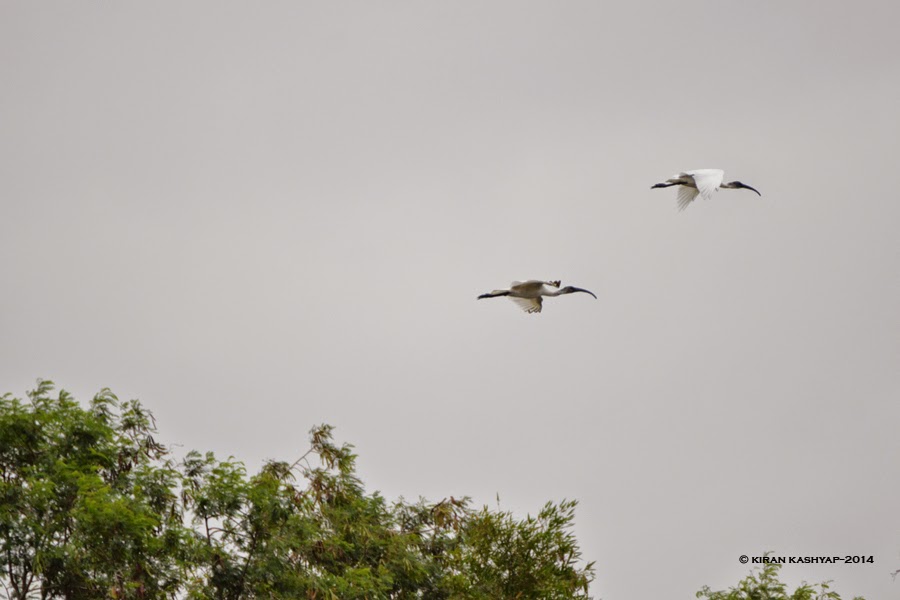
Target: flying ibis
(529,295)
(702,182)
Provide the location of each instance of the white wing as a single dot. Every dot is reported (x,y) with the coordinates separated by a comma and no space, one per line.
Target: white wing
(686,195)
(529,305)
(707,180)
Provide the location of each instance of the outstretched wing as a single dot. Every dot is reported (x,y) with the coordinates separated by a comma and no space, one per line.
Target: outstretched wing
(707,181)
(686,195)
(529,305)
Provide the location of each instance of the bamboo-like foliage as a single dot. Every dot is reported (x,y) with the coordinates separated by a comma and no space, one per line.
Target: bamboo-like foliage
(92,506)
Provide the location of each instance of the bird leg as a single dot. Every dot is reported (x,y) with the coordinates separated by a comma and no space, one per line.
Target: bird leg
(494,294)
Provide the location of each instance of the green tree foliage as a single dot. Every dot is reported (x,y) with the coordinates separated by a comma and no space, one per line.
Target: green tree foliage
(763,584)
(87,508)
(91,506)
(533,559)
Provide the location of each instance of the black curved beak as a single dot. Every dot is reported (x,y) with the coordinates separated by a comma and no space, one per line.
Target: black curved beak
(743,185)
(575,289)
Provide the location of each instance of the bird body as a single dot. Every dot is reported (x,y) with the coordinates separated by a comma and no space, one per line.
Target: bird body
(529,295)
(699,182)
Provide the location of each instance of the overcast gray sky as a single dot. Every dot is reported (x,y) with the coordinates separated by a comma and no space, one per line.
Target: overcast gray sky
(260,217)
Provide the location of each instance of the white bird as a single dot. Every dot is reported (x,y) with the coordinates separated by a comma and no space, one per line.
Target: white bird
(529,294)
(701,182)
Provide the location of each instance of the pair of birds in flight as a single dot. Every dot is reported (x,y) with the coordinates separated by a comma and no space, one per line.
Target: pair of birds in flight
(529,295)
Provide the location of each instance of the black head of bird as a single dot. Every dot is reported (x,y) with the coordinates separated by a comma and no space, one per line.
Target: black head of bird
(569,289)
(735,185)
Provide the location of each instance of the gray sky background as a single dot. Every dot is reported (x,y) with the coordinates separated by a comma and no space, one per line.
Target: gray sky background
(257,218)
